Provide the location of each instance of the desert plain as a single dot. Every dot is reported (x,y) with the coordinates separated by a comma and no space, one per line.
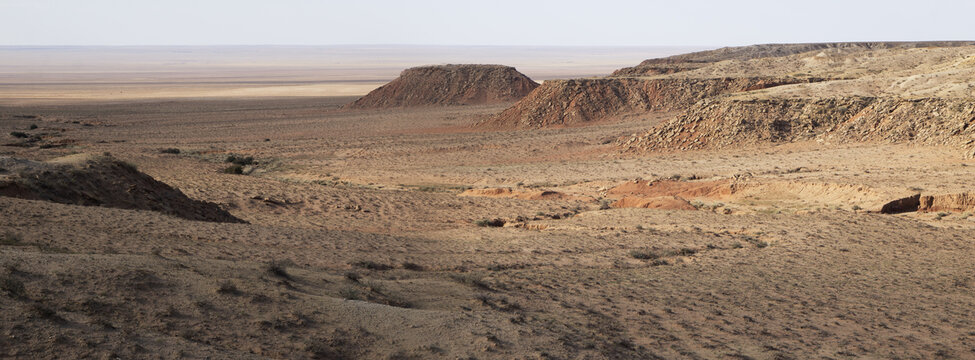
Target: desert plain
(764,202)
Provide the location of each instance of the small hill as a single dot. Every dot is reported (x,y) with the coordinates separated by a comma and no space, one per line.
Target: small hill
(90,180)
(449,85)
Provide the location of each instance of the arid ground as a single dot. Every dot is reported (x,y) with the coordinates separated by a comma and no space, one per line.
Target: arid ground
(316,231)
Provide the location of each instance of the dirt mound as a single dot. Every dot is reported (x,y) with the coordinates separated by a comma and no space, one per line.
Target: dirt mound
(690,61)
(734,122)
(660,203)
(101,181)
(951,203)
(449,85)
(580,101)
(515,194)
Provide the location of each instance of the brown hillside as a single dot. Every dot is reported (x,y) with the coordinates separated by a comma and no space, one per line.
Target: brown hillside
(449,85)
(100,181)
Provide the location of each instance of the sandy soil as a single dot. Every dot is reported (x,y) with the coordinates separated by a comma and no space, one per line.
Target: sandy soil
(359,245)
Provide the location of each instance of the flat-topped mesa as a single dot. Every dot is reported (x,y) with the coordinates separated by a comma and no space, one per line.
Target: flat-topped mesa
(580,101)
(440,85)
(695,60)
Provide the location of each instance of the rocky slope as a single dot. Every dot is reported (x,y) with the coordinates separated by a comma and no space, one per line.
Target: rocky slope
(580,101)
(737,122)
(449,85)
(100,181)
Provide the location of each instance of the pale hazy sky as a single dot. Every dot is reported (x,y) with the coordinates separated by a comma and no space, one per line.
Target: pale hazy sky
(486,22)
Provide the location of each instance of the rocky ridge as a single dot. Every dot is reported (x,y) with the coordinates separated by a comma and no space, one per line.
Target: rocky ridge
(581,101)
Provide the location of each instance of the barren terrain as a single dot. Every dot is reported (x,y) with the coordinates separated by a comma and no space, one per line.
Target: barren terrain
(443,232)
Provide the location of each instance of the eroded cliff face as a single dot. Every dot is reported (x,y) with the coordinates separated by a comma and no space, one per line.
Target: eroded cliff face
(580,101)
(731,122)
(449,85)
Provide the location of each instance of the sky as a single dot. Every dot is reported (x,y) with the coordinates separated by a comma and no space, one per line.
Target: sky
(497,22)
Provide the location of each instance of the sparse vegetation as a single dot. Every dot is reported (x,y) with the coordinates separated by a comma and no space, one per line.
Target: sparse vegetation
(490,222)
(653,254)
(353,276)
(239,160)
(413,266)
(472,280)
(227,287)
(174,151)
(32,126)
(234,169)
(13,287)
(371,265)
(10,238)
(350,293)
(19,134)
(278,268)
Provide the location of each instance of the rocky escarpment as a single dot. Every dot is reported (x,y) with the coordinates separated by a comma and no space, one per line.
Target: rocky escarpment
(578,101)
(449,85)
(732,122)
(101,181)
(695,60)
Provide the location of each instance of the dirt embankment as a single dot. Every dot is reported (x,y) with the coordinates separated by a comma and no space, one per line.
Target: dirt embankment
(580,101)
(449,85)
(963,202)
(101,181)
(730,122)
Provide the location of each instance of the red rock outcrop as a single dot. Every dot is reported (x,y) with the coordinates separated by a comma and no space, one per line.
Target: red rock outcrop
(449,85)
